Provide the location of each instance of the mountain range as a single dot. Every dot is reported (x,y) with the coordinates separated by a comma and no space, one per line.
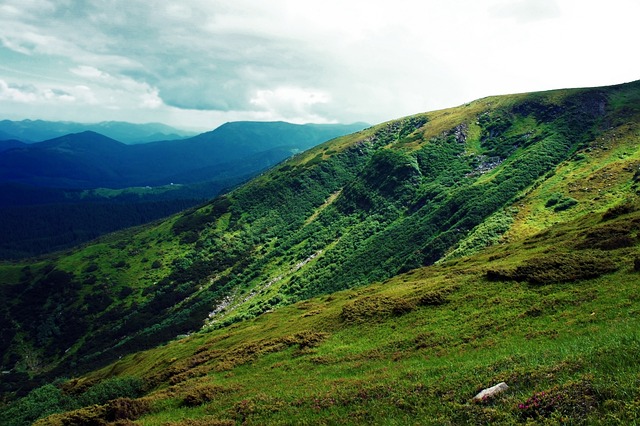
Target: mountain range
(384,277)
(91,160)
(57,193)
(30,131)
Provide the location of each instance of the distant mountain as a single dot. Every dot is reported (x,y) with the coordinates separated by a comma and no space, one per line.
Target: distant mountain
(9,144)
(129,133)
(50,191)
(92,160)
(80,160)
(6,136)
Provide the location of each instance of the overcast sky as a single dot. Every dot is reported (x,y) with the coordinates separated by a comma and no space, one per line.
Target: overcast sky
(199,63)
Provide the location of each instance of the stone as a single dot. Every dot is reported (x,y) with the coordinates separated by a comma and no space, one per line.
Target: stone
(491,392)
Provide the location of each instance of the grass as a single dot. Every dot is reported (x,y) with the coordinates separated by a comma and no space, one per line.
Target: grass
(573,346)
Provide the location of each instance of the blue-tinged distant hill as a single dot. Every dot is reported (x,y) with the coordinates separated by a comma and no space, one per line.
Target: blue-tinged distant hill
(9,144)
(53,194)
(91,160)
(129,133)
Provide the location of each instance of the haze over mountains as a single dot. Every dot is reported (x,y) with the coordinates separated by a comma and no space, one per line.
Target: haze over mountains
(29,131)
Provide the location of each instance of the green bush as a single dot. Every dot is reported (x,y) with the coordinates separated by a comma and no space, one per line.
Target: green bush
(116,387)
(619,210)
(126,409)
(560,267)
(375,308)
(39,403)
(202,394)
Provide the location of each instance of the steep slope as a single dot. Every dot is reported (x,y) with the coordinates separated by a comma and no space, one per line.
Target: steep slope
(348,213)
(554,319)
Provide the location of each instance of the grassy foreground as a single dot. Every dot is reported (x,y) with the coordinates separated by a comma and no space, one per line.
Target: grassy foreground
(564,336)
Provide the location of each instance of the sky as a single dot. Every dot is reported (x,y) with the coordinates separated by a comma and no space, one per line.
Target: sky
(195,64)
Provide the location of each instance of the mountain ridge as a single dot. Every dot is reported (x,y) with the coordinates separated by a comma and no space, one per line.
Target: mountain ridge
(404,267)
(118,165)
(30,131)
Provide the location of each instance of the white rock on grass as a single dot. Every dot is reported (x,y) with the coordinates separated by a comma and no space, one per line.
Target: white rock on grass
(491,392)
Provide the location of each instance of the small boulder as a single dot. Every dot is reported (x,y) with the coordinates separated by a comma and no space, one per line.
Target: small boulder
(490,392)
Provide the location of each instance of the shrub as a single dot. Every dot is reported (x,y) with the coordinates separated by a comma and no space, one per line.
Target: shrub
(561,267)
(434,298)
(619,210)
(202,394)
(402,306)
(126,409)
(560,203)
(610,236)
(92,267)
(565,204)
(117,387)
(574,399)
(206,421)
(89,416)
(120,264)
(40,402)
(373,308)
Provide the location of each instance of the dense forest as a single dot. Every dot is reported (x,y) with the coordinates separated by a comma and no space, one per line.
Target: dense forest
(36,229)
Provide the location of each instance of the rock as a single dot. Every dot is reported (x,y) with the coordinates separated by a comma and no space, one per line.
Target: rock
(459,133)
(490,392)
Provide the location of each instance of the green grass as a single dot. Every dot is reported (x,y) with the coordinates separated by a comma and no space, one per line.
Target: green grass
(417,361)
(423,364)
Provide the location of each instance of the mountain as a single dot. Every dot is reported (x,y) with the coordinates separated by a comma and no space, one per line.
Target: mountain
(51,196)
(384,277)
(91,160)
(9,144)
(39,130)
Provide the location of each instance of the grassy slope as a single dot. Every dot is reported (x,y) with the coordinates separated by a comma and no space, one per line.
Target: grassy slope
(417,348)
(392,353)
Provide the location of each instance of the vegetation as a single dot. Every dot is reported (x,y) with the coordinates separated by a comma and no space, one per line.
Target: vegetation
(385,277)
(53,194)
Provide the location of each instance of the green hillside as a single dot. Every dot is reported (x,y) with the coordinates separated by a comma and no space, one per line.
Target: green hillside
(384,277)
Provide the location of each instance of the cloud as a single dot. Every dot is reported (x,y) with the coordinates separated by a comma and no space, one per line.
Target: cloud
(294,102)
(312,60)
(30,94)
(17,94)
(527,10)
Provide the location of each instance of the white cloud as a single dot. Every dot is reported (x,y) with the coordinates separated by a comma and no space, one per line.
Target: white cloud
(313,60)
(30,94)
(527,10)
(16,94)
(297,104)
